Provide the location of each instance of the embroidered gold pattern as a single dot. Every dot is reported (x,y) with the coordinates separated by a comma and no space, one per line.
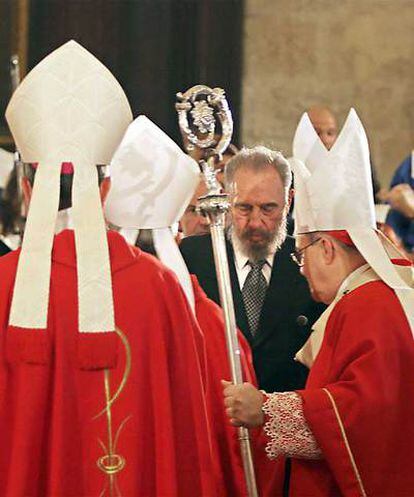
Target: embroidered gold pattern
(112,463)
(345,438)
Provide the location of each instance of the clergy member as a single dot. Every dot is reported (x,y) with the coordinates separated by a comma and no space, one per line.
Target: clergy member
(152,181)
(98,341)
(350,431)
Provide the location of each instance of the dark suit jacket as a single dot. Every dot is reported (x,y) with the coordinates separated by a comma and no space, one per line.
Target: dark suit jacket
(4,249)
(287,313)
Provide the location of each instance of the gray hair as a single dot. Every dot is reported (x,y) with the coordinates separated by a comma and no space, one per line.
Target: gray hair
(258,159)
(349,249)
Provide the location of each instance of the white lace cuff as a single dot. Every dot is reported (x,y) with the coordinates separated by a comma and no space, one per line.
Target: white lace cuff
(286,428)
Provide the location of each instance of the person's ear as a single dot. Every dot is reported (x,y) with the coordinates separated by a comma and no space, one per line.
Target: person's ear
(104,188)
(26,190)
(328,250)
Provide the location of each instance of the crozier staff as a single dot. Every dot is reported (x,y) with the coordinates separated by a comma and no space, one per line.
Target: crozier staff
(204,105)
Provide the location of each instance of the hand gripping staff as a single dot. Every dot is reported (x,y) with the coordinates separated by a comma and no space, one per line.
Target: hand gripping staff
(202,108)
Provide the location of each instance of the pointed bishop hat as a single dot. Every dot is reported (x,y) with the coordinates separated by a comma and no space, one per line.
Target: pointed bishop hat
(69,108)
(333,191)
(153,181)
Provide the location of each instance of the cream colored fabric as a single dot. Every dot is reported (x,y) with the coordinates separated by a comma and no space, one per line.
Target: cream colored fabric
(333,187)
(153,181)
(381,212)
(69,108)
(12,241)
(130,234)
(6,165)
(334,192)
(169,253)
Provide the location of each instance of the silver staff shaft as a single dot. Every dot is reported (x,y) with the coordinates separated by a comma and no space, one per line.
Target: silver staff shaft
(215,207)
(15,79)
(233,348)
(207,107)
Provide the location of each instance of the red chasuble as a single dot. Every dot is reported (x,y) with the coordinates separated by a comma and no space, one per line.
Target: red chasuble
(210,318)
(359,401)
(138,429)
(224,435)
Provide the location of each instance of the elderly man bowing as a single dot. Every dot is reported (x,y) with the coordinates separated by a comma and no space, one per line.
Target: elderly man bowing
(350,431)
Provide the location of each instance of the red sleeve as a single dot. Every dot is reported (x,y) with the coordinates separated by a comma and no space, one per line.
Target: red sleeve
(359,400)
(211,320)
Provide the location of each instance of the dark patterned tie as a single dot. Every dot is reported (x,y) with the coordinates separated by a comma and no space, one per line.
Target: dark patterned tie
(254,292)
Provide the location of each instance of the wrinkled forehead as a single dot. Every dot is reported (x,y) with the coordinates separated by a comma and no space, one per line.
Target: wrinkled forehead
(265,184)
(322,118)
(325,126)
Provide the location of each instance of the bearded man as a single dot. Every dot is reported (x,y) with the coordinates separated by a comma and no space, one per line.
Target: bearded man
(272,302)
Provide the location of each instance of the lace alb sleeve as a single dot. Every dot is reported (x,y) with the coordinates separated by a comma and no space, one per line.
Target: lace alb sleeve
(286,429)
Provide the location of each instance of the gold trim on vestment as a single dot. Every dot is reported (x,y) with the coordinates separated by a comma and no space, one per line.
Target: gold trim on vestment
(345,438)
(112,463)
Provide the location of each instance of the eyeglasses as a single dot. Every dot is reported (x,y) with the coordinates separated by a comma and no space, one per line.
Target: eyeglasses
(297,255)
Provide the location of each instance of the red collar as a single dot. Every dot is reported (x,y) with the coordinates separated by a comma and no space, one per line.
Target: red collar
(121,254)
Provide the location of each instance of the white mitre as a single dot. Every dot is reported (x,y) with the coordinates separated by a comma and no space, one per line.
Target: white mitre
(153,181)
(6,165)
(333,191)
(69,108)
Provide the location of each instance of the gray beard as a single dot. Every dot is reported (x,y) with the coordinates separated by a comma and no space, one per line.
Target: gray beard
(256,252)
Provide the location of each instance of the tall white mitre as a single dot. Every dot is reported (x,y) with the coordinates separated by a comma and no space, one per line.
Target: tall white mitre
(333,191)
(153,181)
(69,108)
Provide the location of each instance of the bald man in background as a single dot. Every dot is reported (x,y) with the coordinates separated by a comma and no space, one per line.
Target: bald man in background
(193,222)
(325,124)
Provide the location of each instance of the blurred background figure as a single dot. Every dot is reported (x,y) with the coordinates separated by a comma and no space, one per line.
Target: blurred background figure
(193,222)
(324,122)
(11,216)
(198,153)
(6,165)
(326,126)
(230,152)
(401,199)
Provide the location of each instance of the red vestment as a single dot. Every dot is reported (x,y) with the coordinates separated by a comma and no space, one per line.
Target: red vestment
(60,434)
(210,318)
(359,401)
(231,474)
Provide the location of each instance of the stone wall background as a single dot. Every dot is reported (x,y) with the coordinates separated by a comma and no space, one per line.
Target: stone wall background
(340,53)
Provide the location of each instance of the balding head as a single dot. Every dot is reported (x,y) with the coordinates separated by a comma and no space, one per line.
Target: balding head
(325,125)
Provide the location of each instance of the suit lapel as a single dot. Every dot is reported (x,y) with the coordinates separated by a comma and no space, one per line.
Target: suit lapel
(241,317)
(277,294)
